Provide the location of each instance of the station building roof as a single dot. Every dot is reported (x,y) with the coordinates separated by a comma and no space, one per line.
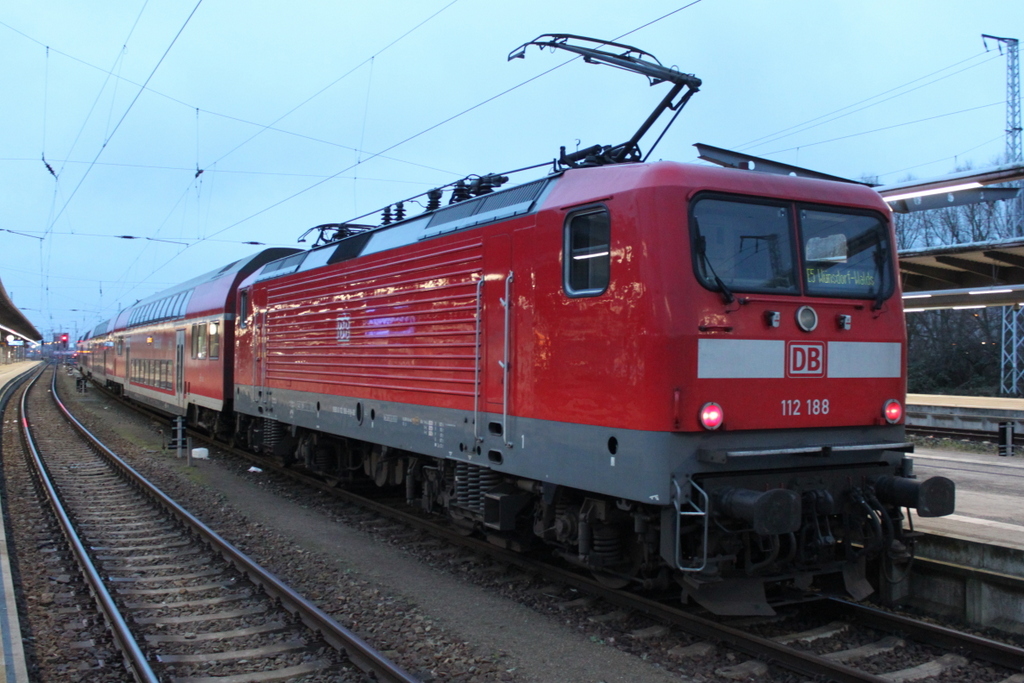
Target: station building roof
(13,321)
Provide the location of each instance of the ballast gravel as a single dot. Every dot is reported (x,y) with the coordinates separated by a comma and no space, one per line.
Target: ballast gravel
(436,625)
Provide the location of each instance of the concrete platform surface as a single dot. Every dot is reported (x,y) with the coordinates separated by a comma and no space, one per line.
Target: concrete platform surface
(981,402)
(12,652)
(989,496)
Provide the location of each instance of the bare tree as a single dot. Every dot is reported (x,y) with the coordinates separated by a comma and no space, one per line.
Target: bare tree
(955,351)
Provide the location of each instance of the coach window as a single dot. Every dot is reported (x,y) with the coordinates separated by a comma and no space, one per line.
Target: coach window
(178,305)
(742,246)
(201,351)
(243,309)
(120,346)
(199,341)
(587,253)
(214,332)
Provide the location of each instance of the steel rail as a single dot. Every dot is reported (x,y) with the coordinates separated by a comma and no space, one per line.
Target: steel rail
(803,662)
(795,660)
(1010,656)
(12,386)
(359,651)
(789,658)
(135,659)
(965,434)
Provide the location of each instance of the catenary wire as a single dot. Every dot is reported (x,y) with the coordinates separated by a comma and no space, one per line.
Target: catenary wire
(110,74)
(897,125)
(439,124)
(215,171)
(228,117)
(771,137)
(332,83)
(416,135)
(125,115)
(1001,136)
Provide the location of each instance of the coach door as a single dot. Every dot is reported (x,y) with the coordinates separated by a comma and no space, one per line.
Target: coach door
(179,364)
(496,355)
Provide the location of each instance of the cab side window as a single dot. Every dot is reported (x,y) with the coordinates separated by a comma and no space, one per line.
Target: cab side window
(587,252)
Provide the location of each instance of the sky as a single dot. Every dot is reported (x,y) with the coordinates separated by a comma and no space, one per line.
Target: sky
(313,112)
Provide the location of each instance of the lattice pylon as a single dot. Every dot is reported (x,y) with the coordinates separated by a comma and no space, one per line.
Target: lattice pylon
(1012,370)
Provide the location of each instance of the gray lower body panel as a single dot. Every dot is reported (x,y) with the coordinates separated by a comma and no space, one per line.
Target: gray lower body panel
(631,464)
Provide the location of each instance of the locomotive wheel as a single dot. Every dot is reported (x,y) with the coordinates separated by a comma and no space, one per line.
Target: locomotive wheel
(462,525)
(613,581)
(623,573)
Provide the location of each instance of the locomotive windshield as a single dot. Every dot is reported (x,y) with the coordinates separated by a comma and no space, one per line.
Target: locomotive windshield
(845,254)
(745,246)
(742,245)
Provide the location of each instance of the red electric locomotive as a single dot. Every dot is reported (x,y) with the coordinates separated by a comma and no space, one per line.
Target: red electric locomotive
(663,372)
(650,367)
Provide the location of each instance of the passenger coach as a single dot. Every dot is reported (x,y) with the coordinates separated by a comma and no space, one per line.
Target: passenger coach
(172,350)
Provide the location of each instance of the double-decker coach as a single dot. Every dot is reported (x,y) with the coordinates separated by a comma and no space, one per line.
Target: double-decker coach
(172,350)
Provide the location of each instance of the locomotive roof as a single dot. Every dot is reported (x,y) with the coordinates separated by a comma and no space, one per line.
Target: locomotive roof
(489,208)
(568,188)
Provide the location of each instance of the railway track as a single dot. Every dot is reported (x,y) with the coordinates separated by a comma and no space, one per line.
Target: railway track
(976,435)
(827,640)
(182,603)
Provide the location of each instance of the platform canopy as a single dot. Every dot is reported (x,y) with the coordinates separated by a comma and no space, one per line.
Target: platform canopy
(954,189)
(13,321)
(973,275)
(964,275)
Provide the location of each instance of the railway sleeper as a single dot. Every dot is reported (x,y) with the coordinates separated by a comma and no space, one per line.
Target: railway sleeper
(758,542)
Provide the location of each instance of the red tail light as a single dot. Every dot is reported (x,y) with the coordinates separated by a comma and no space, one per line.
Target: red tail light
(892,410)
(711,416)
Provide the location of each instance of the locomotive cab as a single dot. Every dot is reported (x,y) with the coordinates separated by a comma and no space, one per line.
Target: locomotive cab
(799,467)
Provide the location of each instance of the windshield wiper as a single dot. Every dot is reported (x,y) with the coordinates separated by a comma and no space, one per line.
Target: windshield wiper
(880,261)
(702,251)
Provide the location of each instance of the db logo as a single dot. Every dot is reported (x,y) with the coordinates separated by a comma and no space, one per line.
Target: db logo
(805,359)
(344,329)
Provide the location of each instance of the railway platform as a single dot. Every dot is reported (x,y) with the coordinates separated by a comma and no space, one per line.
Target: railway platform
(12,653)
(989,505)
(973,413)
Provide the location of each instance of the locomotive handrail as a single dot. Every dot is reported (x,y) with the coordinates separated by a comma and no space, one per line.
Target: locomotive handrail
(677,502)
(507,305)
(478,360)
(721,456)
